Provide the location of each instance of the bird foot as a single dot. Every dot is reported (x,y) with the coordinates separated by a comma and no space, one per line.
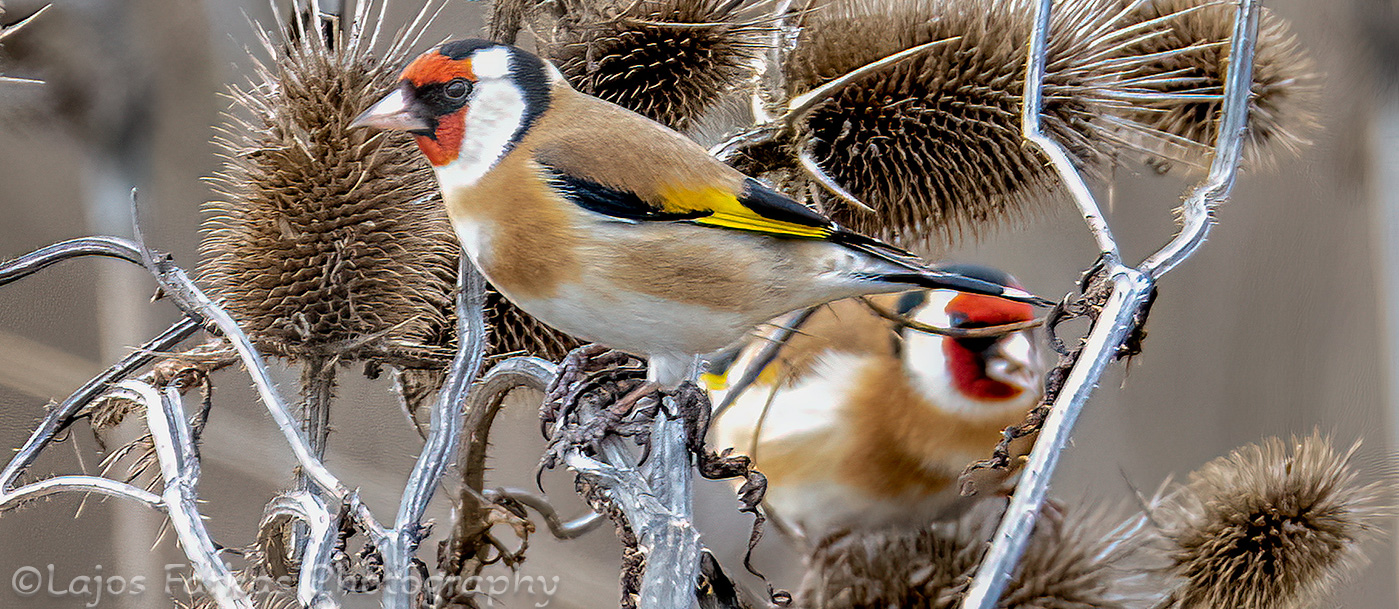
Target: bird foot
(595,394)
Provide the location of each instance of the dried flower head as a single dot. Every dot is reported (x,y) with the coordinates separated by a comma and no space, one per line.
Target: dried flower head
(330,241)
(670,60)
(1191,56)
(1270,526)
(326,236)
(933,143)
(1066,564)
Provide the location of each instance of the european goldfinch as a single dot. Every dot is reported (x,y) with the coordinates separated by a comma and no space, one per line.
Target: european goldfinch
(861,423)
(616,229)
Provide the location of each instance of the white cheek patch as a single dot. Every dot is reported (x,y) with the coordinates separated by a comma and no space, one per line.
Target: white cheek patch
(926,366)
(493,114)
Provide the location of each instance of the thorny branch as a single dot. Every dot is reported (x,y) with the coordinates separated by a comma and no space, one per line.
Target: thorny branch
(444,435)
(1129,294)
(472,547)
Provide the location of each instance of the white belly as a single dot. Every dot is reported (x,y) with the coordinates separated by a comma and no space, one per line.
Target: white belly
(638,323)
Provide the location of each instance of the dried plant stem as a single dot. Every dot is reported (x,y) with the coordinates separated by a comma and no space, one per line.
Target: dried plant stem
(444,435)
(1131,291)
(322,527)
(656,499)
(317,393)
(178,502)
(469,548)
(1030,110)
(179,468)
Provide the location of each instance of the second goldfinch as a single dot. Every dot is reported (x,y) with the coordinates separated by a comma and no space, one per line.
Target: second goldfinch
(616,229)
(861,422)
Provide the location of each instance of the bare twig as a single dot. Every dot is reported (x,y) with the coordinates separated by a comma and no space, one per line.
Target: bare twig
(560,529)
(1030,128)
(1195,216)
(307,508)
(1131,291)
(61,416)
(469,548)
(444,435)
(655,498)
(10,30)
(179,468)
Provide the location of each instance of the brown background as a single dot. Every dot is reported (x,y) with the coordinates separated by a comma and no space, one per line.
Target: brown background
(1281,324)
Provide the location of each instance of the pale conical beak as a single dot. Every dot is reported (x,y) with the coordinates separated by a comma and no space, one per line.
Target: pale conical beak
(392,114)
(1014,361)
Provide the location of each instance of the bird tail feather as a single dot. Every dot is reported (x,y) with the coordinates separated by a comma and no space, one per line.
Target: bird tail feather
(916,274)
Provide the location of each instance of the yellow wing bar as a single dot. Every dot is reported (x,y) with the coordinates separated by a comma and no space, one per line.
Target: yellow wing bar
(726,211)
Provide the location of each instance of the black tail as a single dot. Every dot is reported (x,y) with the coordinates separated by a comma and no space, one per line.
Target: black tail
(940,280)
(920,275)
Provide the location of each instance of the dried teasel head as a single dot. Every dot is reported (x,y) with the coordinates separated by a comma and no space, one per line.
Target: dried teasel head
(1070,562)
(933,142)
(1190,56)
(670,60)
(1270,526)
(329,241)
(326,236)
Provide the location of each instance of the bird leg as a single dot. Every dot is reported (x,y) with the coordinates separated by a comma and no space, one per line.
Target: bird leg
(694,408)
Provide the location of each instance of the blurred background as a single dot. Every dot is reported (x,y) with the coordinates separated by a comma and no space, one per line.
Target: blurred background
(1283,323)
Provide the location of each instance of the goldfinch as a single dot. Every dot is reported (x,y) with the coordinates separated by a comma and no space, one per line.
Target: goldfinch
(615,229)
(860,423)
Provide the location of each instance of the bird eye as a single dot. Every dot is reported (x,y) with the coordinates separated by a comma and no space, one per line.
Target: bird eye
(457,89)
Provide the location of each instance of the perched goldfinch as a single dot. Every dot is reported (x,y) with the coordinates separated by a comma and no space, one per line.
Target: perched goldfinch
(615,229)
(859,422)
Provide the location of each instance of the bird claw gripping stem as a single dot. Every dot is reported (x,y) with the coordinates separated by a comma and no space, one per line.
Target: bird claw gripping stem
(595,391)
(600,396)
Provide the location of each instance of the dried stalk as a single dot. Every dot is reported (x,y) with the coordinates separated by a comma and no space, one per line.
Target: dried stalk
(179,468)
(1130,295)
(181,473)
(444,435)
(311,585)
(470,547)
(656,499)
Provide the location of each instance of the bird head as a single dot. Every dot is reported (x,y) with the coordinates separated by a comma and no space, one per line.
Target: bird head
(467,102)
(974,375)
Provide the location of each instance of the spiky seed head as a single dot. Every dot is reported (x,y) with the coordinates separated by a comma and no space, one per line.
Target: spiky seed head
(325,234)
(334,241)
(1270,526)
(1068,564)
(1191,52)
(934,143)
(670,60)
